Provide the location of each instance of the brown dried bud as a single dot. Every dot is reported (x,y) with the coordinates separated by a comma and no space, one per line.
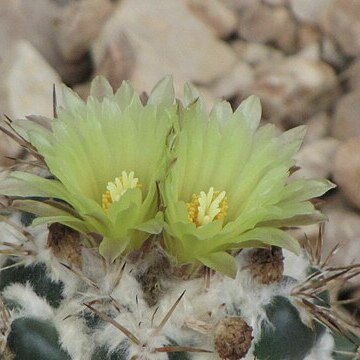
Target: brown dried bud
(65,244)
(233,338)
(267,265)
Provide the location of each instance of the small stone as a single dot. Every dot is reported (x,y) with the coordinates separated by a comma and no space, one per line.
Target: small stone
(276,2)
(25,88)
(311,52)
(308,35)
(352,75)
(216,15)
(266,265)
(345,123)
(242,5)
(40,27)
(317,127)
(309,10)
(29,83)
(237,81)
(343,228)
(295,88)
(316,159)
(118,62)
(286,39)
(341,21)
(166,37)
(264,24)
(255,54)
(79,24)
(233,337)
(331,54)
(11,23)
(347,170)
(65,244)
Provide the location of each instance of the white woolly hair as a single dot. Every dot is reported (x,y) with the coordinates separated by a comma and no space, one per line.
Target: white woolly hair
(72,330)
(295,266)
(31,305)
(323,348)
(139,324)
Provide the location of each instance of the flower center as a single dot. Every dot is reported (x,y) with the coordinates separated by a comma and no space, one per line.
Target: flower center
(205,208)
(117,188)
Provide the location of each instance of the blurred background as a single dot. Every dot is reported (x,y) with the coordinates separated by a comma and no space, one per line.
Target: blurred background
(301,57)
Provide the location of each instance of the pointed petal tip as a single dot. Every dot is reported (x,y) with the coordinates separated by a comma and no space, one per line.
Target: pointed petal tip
(163,93)
(251,108)
(100,88)
(191,94)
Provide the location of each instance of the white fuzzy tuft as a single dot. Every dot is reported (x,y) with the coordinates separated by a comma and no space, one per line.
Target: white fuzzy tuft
(31,304)
(323,349)
(295,266)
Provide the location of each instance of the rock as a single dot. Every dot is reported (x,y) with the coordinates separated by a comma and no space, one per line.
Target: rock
(309,11)
(29,83)
(346,123)
(216,15)
(11,23)
(315,159)
(78,26)
(10,30)
(295,88)
(237,81)
(331,54)
(166,38)
(25,89)
(255,53)
(342,228)
(308,35)
(317,127)
(118,62)
(347,170)
(311,52)
(42,19)
(276,2)
(264,24)
(241,5)
(352,75)
(341,21)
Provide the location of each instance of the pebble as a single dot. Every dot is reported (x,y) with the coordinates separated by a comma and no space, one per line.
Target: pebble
(236,82)
(309,11)
(221,19)
(79,24)
(343,227)
(316,159)
(345,122)
(255,53)
(264,24)
(347,170)
(40,28)
(167,38)
(295,88)
(25,88)
(341,21)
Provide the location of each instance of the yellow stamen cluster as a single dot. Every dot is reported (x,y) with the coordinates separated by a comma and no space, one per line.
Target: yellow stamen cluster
(118,187)
(205,208)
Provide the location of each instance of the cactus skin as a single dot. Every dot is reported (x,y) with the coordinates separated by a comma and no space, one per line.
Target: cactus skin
(37,276)
(286,337)
(31,339)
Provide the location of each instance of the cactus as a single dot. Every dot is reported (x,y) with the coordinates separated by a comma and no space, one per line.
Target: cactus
(153,231)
